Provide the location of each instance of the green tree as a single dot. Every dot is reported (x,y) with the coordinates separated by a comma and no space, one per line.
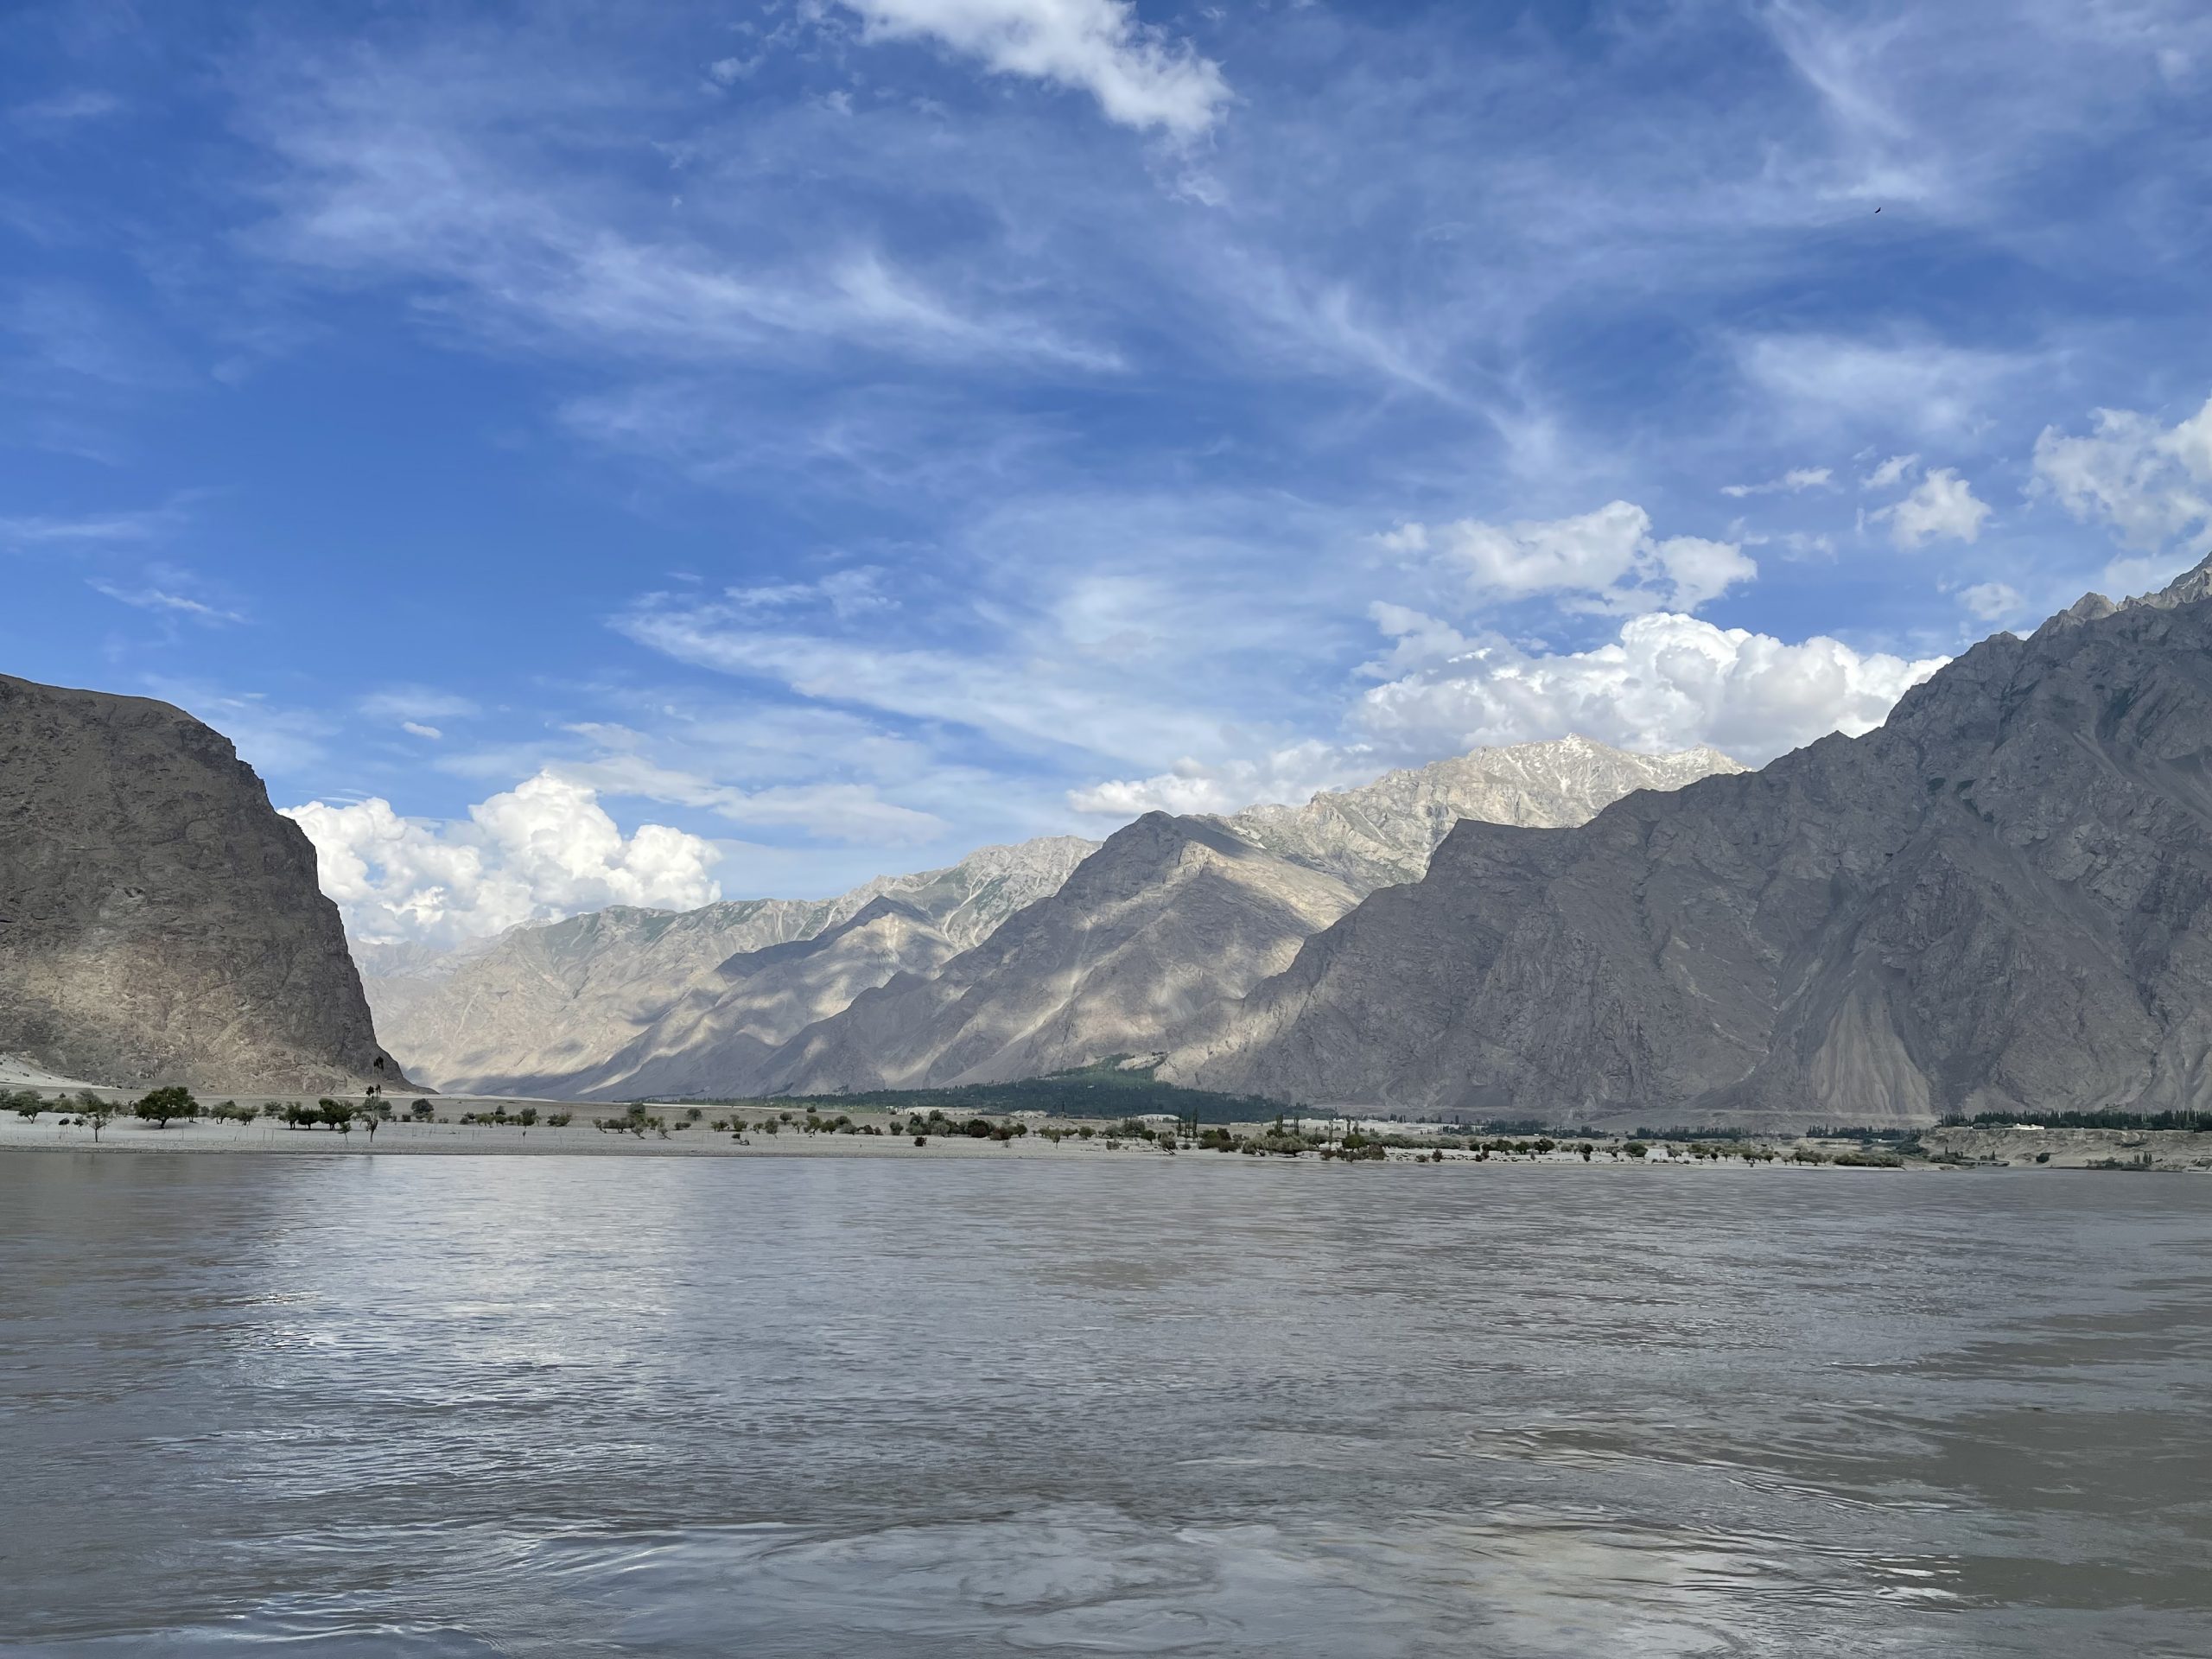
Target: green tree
(158,1106)
(92,1110)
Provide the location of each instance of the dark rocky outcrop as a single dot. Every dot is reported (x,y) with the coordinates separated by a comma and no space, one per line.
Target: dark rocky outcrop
(159,921)
(1996,901)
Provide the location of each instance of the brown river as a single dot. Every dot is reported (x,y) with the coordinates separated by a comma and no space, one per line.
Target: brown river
(352,1406)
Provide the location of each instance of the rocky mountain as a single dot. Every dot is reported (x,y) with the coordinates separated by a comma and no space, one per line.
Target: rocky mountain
(1997,900)
(542,1005)
(730,1020)
(1175,914)
(623,1002)
(159,921)
(1383,832)
(1168,916)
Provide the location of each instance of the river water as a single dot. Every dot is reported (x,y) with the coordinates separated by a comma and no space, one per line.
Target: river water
(523,1406)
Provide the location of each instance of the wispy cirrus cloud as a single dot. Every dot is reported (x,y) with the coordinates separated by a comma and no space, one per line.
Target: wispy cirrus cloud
(164,602)
(1142,76)
(414,168)
(75,531)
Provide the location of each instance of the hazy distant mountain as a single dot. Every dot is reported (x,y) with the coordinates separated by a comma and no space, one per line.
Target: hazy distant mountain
(1383,832)
(159,921)
(542,1005)
(1169,915)
(623,1002)
(2000,900)
(733,1017)
(1174,914)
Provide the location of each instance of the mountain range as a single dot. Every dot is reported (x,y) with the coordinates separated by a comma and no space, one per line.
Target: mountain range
(1996,901)
(542,1007)
(1018,959)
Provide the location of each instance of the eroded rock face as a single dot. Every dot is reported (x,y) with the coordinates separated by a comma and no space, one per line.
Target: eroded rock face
(1996,901)
(159,921)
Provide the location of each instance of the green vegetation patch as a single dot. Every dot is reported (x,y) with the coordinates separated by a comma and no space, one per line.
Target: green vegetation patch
(1104,1089)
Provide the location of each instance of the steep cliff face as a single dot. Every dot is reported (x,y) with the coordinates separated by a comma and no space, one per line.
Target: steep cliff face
(546,1009)
(1997,900)
(159,921)
(1168,916)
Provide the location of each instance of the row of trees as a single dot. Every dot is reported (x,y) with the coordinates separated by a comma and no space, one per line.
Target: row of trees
(174,1103)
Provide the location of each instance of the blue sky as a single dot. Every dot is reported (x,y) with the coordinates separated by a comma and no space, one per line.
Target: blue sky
(619,453)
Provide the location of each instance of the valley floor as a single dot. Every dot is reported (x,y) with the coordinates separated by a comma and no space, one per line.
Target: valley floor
(1951,1148)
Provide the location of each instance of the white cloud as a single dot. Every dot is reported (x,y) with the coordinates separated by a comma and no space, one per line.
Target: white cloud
(543,849)
(92,530)
(1608,556)
(843,812)
(418,729)
(1668,683)
(417,703)
(1139,78)
(422,170)
(1294,774)
(846,593)
(67,109)
(1818,381)
(160,600)
(1992,601)
(1942,506)
(1891,474)
(1791,482)
(1065,698)
(2150,484)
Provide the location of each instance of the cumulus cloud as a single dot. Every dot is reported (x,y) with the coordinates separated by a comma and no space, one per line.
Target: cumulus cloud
(2150,484)
(1941,506)
(544,850)
(1669,681)
(1609,558)
(1797,479)
(1139,77)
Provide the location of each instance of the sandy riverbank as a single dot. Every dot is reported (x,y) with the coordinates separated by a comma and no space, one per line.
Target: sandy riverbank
(124,1135)
(2016,1146)
(1952,1148)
